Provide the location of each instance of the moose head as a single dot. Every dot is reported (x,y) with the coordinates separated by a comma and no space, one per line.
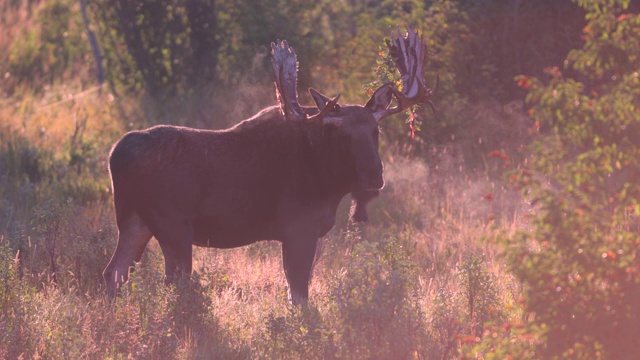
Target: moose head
(359,124)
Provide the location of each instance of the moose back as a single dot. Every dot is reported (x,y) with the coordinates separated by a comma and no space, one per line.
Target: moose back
(279,175)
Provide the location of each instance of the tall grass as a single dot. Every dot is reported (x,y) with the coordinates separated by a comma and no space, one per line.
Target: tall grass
(421,281)
(424,280)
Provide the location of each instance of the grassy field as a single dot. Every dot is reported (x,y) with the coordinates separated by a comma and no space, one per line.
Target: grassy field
(420,281)
(508,227)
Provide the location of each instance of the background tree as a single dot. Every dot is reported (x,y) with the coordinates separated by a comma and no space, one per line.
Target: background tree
(172,44)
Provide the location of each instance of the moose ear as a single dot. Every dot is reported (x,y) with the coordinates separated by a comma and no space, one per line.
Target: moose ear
(380,99)
(321,100)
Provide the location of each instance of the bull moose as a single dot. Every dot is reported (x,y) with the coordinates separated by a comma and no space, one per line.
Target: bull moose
(278,175)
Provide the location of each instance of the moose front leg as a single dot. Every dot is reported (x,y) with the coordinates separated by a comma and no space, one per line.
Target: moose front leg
(298,256)
(360,200)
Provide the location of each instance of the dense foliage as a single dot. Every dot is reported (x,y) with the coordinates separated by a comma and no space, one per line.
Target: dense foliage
(580,260)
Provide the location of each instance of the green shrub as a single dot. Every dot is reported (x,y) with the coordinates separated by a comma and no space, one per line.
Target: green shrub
(375,303)
(50,49)
(302,333)
(480,294)
(463,311)
(580,261)
(14,296)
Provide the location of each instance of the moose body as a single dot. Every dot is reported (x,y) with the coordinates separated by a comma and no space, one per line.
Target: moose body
(264,179)
(277,176)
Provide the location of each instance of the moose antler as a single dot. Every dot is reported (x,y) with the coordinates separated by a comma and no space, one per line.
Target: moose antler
(285,70)
(410,54)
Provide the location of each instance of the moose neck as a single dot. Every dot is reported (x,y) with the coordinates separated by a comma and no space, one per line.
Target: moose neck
(312,153)
(329,154)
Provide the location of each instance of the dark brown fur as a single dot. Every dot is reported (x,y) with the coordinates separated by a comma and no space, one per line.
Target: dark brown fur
(263,179)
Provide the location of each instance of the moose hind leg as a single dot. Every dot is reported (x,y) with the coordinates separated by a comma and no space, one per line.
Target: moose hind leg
(298,259)
(175,239)
(133,237)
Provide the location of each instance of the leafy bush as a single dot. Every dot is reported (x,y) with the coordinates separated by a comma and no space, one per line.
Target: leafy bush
(16,337)
(375,300)
(40,55)
(581,262)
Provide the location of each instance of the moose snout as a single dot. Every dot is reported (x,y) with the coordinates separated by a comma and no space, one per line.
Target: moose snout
(376,183)
(372,179)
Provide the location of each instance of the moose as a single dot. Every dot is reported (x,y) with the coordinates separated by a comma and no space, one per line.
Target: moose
(278,175)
